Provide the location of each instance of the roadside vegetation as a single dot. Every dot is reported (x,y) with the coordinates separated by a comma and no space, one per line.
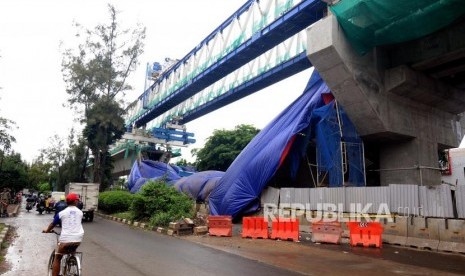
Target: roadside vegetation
(156,204)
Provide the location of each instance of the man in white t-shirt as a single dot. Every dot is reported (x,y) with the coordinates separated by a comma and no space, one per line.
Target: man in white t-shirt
(71,230)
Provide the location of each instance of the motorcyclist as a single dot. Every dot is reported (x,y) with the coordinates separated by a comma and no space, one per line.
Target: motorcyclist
(30,202)
(80,204)
(31,198)
(60,205)
(41,204)
(49,204)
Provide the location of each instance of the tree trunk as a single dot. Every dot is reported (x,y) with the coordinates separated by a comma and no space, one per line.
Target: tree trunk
(84,165)
(97,175)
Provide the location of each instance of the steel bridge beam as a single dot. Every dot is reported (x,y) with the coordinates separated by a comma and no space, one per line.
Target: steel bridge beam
(276,74)
(295,20)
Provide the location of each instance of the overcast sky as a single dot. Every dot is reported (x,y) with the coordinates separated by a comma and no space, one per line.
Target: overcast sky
(33,92)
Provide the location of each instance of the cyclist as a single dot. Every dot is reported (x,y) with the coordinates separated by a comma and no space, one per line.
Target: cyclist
(71,230)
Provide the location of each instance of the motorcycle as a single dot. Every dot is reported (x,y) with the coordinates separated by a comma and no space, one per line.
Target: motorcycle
(48,210)
(40,209)
(29,206)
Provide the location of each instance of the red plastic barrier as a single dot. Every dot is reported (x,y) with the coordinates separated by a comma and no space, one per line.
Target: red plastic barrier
(285,229)
(366,234)
(326,232)
(220,226)
(255,227)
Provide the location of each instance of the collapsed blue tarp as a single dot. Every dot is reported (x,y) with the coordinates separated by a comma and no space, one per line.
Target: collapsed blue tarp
(199,185)
(238,191)
(183,170)
(146,170)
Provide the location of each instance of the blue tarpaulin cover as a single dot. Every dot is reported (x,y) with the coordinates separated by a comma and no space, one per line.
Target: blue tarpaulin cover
(195,184)
(146,170)
(312,117)
(239,189)
(329,132)
(288,135)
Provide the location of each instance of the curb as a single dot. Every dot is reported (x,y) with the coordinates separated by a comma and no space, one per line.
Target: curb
(137,224)
(125,221)
(3,233)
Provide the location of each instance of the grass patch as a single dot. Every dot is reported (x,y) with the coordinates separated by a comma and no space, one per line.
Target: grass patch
(2,225)
(123,215)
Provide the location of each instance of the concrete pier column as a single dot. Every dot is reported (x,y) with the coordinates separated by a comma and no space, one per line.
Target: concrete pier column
(407,115)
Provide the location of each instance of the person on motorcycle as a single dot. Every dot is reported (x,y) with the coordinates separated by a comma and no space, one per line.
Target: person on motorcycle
(49,204)
(31,198)
(30,201)
(41,204)
(60,205)
(80,204)
(72,231)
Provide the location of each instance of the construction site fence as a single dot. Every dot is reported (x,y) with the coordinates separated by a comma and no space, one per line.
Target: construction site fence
(441,201)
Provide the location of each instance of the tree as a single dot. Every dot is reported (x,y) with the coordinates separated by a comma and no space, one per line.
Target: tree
(104,126)
(54,155)
(14,172)
(223,147)
(39,172)
(6,139)
(95,75)
(71,169)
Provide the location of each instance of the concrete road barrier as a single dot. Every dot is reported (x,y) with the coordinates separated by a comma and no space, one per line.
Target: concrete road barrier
(452,236)
(423,233)
(395,232)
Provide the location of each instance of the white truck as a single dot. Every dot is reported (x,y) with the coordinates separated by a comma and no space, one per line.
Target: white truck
(57,195)
(89,197)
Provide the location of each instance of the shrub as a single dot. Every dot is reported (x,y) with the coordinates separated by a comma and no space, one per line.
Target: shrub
(161,204)
(115,201)
(138,207)
(160,219)
(44,187)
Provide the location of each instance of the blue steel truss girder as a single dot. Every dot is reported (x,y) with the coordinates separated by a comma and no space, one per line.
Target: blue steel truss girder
(226,23)
(295,20)
(274,75)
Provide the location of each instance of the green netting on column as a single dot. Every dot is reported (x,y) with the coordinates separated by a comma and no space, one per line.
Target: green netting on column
(370,23)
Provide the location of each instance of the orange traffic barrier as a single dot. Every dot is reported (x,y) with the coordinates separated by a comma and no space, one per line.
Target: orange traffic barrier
(254,227)
(220,226)
(285,229)
(366,234)
(326,232)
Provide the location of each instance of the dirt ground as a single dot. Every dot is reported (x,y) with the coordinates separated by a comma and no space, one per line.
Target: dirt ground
(316,259)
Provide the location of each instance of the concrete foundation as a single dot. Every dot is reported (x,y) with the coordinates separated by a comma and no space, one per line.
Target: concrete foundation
(406,114)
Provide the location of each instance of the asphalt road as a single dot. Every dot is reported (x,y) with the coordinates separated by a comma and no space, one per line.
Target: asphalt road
(111,248)
(115,249)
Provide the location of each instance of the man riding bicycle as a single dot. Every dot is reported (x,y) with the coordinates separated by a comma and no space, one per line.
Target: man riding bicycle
(71,230)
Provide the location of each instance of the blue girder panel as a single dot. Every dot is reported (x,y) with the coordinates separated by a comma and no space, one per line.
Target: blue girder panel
(278,73)
(173,135)
(295,20)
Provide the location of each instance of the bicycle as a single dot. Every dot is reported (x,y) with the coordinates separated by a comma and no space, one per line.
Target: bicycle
(70,262)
